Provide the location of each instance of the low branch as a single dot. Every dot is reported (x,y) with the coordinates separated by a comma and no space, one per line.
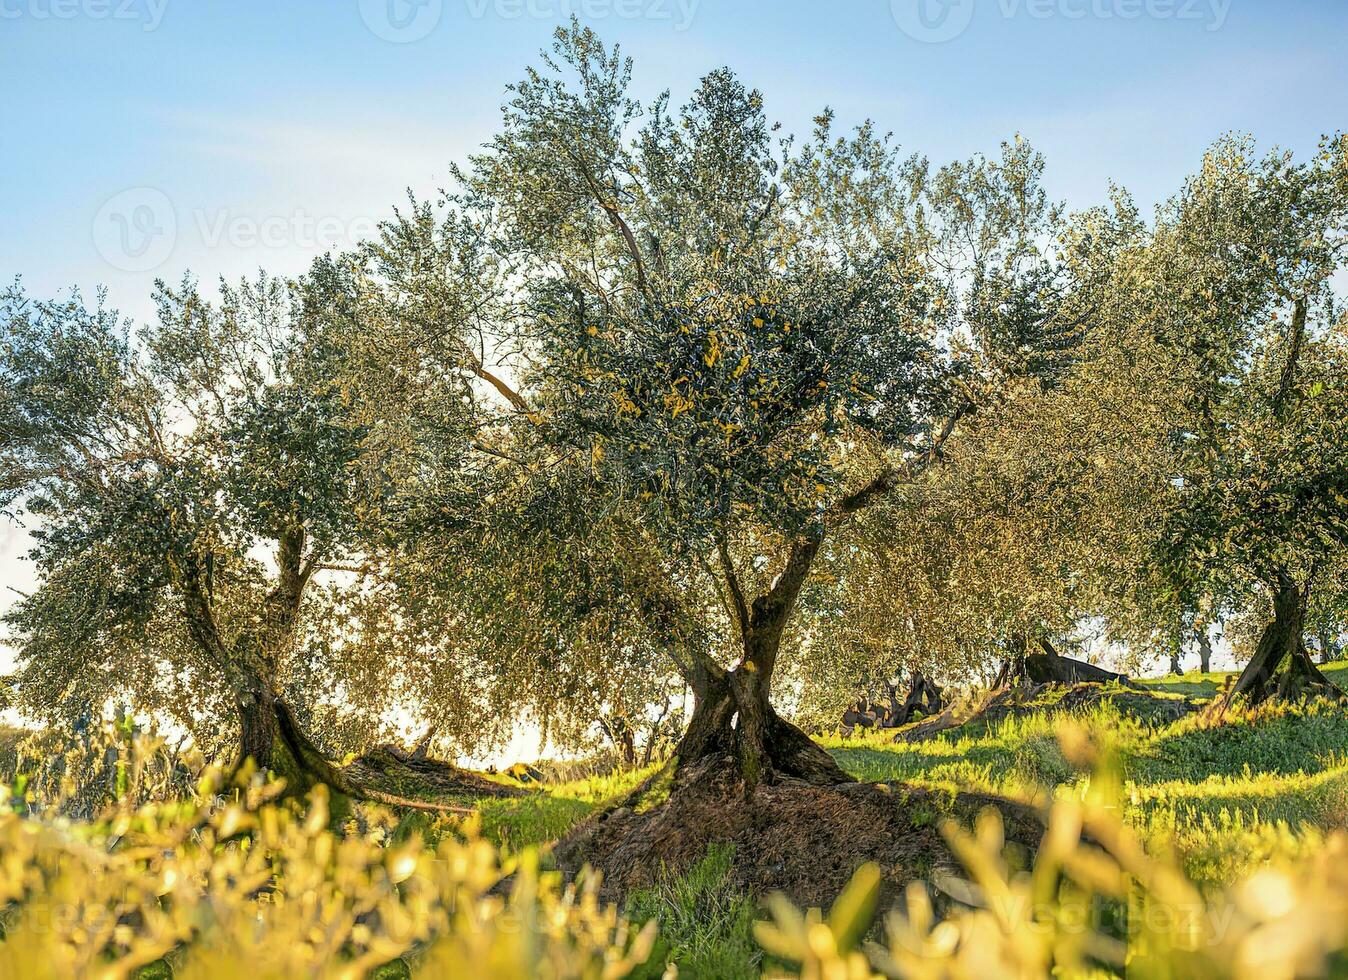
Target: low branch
(891,477)
(350,569)
(517,401)
(489,451)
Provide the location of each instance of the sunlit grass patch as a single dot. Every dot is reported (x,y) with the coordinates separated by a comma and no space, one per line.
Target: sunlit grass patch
(1197,684)
(1221,846)
(1018,756)
(1262,785)
(1319,799)
(1283,739)
(1194,684)
(549,813)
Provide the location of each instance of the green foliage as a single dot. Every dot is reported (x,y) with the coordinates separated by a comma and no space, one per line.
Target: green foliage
(241,886)
(647,385)
(1244,834)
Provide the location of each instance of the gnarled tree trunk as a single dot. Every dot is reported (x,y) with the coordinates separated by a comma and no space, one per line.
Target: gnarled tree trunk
(1281,667)
(733,717)
(624,739)
(1204,650)
(923,694)
(271,738)
(269,735)
(733,721)
(1329,648)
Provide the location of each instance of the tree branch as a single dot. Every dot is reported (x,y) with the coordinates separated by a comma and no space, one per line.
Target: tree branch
(890,477)
(615,218)
(516,400)
(732,580)
(1294,342)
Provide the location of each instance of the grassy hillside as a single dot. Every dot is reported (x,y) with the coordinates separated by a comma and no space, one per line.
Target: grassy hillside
(1223,798)
(1262,789)
(1214,807)
(1204,789)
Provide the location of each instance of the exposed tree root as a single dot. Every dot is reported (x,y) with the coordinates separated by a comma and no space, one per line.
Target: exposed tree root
(1025,684)
(923,695)
(387,775)
(387,767)
(1047,666)
(788,835)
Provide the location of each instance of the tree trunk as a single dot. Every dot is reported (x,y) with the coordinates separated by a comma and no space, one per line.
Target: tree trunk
(1281,667)
(923,694)
(269,731)
(270,737)
(624,739)
(733,718)
(1175,654)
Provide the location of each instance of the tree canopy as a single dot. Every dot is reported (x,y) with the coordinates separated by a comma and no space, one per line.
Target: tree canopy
(657,397)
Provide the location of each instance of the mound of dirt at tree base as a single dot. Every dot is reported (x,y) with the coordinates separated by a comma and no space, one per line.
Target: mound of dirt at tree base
(803,840)
(1022,700)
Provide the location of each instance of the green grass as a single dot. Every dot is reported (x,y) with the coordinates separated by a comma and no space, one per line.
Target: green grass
(1196,684)
(547,814)
(706,925)
(1256,789)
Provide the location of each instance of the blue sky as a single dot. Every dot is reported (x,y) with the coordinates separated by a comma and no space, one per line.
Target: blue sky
(270,129)
(142,138)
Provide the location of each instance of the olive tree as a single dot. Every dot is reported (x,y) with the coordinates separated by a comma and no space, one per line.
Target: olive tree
(206,514)
(1237,286)
(746,340)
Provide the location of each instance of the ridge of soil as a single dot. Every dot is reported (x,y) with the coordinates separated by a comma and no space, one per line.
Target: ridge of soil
(1021,700)
(387,769)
